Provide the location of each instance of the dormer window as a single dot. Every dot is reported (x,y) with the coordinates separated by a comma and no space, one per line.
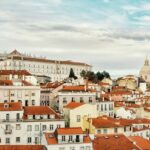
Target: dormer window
(6,105)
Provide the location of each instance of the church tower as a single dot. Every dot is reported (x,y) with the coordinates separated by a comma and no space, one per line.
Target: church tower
(145,71)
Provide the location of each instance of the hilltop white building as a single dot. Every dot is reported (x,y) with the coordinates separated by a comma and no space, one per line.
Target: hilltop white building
(57,70)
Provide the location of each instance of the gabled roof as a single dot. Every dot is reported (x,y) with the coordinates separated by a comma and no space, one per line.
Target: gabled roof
(73,105)
(12,106)
(67,131)
(113,142)
(39,110)
(15,52)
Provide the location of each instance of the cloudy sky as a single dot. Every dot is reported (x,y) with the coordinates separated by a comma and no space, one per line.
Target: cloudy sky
(112,35)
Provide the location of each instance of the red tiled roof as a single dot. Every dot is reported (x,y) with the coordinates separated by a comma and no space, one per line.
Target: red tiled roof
(108,122)
(144,144)
(39,110)
(103,84)
(113,142)
(67,131)
(14,72)
(74,88)
(22,147)
(51,85)
(73,105)
(51,138)
(6,82)
(13,106)
(26,83)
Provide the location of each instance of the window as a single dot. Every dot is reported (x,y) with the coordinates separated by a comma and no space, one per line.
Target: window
(33,94)
(17,139)
(116,130)
(44,127)
(51,127)
(90,99)
(29,128)
(105,107)
(64,100)
(36,127)
(124,129)
(36,140)
(78,118)
(29,140)
(99,131)
(7,117)
(105,131)
(70,138)
(82,148)
(101,107)
(7,140)
(63,138)
(33,102)
(81,99)
(72,99)
(18,116)
(58,126)
(88,148)
(18,127)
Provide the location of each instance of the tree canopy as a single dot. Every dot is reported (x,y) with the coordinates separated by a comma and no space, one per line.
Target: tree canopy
(98,76)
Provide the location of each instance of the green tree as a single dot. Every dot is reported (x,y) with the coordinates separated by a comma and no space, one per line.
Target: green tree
(71,74)
(83,74)
(100,76)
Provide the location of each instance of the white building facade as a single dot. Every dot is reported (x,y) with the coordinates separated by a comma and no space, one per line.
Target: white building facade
(57,70)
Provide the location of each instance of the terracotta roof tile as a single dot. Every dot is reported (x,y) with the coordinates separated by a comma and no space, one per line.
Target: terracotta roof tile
(14,72)
(39,110)
(73,105)
(74,88)
(13,106)
(67,131)
(22,147)
(113,142)
(144,144)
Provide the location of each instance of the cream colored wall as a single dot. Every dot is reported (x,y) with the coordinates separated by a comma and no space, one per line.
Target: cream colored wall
(86,110)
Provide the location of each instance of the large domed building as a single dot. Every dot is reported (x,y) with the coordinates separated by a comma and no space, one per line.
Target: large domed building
(145,71)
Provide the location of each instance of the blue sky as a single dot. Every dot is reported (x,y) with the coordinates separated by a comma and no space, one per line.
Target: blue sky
(112,35)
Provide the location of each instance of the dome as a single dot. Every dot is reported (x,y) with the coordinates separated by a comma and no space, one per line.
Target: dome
(145,71)
(146,68)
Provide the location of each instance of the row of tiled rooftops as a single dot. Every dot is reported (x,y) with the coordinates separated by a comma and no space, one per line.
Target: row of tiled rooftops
(108,122)
(30,110)
(101,142)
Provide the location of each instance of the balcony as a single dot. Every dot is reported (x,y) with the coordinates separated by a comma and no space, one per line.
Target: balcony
(8,131)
